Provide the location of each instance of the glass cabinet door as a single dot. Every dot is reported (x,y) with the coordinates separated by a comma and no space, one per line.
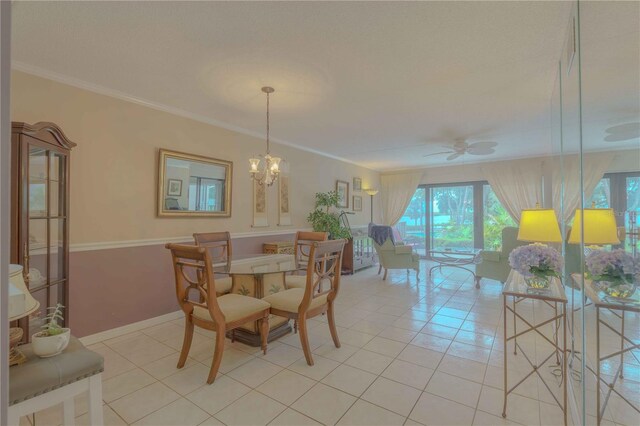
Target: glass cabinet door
(45,227)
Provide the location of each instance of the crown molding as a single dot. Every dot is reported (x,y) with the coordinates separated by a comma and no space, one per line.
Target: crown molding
(102,90)
(108,245)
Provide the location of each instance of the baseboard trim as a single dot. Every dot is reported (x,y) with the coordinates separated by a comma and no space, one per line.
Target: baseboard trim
(129,328)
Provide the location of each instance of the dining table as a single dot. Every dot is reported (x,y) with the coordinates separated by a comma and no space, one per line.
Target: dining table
(258,275)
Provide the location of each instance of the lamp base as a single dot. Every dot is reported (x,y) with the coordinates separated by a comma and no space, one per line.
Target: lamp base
(15,356)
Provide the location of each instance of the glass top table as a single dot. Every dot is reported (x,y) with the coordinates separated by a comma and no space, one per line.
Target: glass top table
(258,264)
(600,298)
(517,286)
(455,258)
(258,275)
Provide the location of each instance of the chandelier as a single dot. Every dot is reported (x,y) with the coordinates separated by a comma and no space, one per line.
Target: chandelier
(265,170)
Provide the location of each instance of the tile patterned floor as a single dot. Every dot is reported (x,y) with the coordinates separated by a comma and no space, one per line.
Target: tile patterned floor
(427,353)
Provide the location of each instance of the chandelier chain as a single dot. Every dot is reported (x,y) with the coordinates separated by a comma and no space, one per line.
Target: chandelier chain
(267,123)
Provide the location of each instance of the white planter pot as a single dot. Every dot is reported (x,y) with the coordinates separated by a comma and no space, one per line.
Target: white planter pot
(46,346)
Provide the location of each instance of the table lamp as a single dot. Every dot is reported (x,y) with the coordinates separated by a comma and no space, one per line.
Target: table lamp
(599,227)
(539,225)
(21,304)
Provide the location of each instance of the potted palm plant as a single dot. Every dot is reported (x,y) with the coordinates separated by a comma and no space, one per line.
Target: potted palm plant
(324,219)
(53,338)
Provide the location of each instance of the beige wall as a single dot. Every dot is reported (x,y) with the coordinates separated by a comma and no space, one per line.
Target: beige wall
(113,194)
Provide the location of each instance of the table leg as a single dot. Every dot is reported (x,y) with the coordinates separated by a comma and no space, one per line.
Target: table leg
(622,348)
(564,358)
(515,332)
(504,340)
(598,414)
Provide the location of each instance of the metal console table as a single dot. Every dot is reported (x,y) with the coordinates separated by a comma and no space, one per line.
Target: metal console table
(516,288)
(618,308)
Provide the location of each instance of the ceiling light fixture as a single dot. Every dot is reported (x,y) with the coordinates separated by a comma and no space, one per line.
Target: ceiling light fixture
(265,172)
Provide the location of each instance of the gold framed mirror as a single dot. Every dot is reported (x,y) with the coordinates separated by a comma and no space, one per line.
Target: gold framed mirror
(192,185)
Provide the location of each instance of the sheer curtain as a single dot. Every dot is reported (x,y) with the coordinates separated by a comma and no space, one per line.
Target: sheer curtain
(566,180)
(396,191)
(517,184)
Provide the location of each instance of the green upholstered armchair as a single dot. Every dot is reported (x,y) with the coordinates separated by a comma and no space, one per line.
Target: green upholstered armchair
(397,256)
(495,264)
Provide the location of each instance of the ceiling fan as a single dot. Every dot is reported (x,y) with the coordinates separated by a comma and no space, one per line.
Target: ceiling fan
(461,147)
(623,132)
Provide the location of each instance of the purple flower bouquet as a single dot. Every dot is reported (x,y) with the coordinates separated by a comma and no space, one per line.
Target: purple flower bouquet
(537,263)
(616,272)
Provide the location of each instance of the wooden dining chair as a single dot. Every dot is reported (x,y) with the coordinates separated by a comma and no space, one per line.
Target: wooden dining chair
(219,246)
(194,277)
(301,250)
(324,267)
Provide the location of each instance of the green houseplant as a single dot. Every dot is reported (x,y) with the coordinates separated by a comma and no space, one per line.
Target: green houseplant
(53,338)
(323,219)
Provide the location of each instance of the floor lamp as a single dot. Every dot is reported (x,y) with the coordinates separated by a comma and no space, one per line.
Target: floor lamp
(371,193)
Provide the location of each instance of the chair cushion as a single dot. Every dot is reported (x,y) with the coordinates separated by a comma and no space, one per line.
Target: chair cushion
(289,300)
(295,281)
(223,285)
(40,375)
(233,307)
(402,249)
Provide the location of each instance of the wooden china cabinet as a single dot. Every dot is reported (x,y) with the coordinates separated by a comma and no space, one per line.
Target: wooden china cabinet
(40,156)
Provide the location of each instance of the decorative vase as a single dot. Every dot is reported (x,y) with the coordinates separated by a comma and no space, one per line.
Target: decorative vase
(538,283)
(46,346)
(618,290)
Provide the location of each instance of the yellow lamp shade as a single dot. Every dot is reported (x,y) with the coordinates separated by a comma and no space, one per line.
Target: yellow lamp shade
(371,191)
(21,302)
(599,227)
(539,225)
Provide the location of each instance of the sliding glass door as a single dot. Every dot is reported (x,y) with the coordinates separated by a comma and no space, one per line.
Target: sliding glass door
(454,216)
(451,217)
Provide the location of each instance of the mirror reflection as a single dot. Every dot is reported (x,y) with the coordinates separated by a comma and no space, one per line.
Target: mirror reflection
(192,185)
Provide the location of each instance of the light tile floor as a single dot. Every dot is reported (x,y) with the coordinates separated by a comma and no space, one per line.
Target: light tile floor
(427,353)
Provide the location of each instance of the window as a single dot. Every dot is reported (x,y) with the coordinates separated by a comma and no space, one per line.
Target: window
(494,220)
(621,192)
(452,220)
(206,194)
(453,216)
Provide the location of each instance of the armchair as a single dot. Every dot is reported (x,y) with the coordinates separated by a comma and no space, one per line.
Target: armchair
(393,255)
(495,264)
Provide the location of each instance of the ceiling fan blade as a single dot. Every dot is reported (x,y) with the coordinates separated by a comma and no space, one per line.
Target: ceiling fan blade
(437,153)
(624,128)
(484,151)
(620,137)
(483,145)
(453,156)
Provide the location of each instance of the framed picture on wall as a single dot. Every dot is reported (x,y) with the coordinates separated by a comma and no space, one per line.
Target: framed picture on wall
(174,187)
(342,188)
(357,184)
(357,203)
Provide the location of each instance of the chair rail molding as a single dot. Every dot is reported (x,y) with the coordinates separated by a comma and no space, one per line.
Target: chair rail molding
(107,245)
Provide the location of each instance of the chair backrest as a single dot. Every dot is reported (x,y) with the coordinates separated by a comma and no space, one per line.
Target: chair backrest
(171,204)
(325,266)
(217,243)
(192,266)
(303,243)
(381,233)
(510,240)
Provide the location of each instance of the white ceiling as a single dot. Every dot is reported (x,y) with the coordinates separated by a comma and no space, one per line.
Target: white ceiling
(380,84)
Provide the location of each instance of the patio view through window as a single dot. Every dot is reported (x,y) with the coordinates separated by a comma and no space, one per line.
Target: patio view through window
(621,192)
(454,216)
